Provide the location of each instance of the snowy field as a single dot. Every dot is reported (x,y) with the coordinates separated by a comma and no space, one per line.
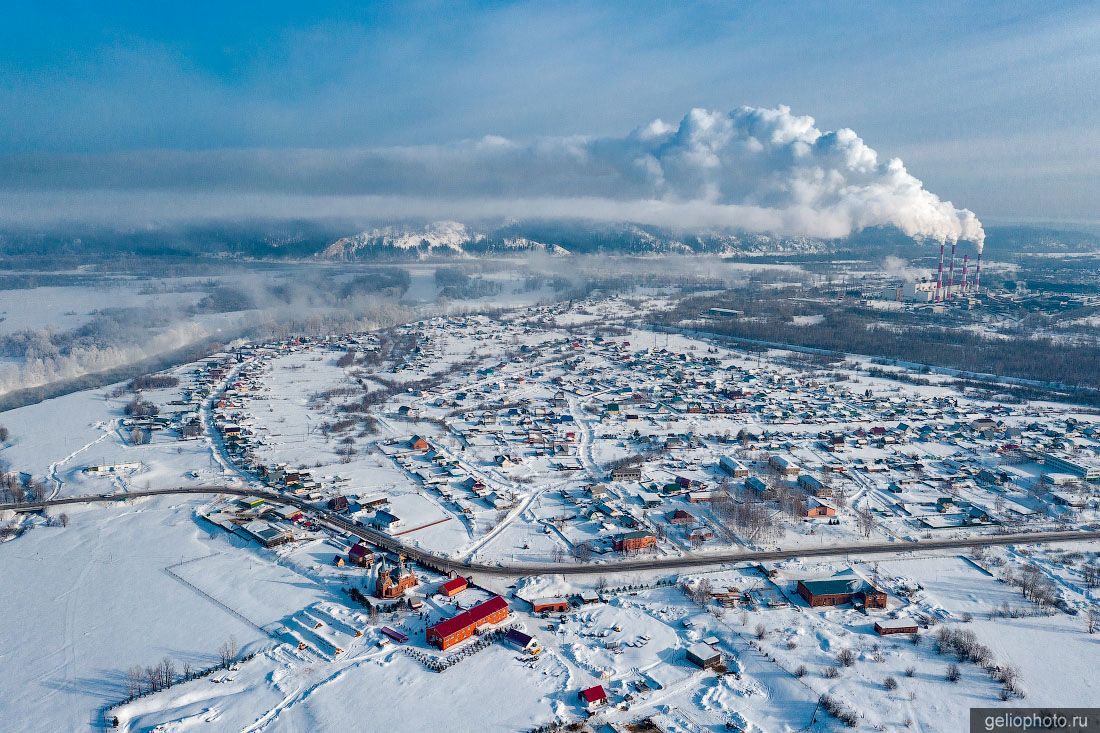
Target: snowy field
(85,602)
(497,440)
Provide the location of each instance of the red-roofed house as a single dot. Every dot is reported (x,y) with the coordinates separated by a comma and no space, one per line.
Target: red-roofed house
(453,630)
(453,587)
(360,555)
(593,697)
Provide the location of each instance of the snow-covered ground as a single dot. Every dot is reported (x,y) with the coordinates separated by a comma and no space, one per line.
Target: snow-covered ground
(523,416)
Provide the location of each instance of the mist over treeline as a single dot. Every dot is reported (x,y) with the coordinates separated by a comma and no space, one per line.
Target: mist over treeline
(186,248)
(263,305)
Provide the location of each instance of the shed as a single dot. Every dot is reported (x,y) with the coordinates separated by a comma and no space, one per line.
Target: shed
(703,656)
(545,605)
(520,640)
(885,627)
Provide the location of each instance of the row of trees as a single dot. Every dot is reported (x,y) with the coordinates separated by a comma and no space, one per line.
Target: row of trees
(963,644)
(17,488)
(852,329)
(162,675)
(1035,586)
(138,407)
(152,381)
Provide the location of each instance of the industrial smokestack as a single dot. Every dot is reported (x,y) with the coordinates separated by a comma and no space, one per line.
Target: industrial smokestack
(978,273)
(951,271)
(939,278)
(966,267)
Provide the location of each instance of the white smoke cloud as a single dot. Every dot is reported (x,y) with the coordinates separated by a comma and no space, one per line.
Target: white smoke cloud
(897,267)
(754,169)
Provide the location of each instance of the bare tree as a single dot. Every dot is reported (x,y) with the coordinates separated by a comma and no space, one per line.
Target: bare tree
(63,519)
(701,591)
(135,675)
(224,655)
(1091,574)
(1092,618)
(840,498)
(865,521)
(346,449)
(152,678)
(167,672)
(953,673)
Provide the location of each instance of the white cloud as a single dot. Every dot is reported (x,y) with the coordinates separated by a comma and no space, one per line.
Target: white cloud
(755,169)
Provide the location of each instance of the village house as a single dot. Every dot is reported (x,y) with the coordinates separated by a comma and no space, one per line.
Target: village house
(703,656)
(626,473)
(680,517)
(634,541)
(815,509)
(360,555)
(519,640)
(733,467)
(453,587)
(593,697)
(784,466)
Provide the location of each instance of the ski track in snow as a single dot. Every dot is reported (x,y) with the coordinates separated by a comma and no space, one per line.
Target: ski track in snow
(52,471)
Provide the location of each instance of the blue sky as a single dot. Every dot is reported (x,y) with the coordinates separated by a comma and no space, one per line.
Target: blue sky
(995,106)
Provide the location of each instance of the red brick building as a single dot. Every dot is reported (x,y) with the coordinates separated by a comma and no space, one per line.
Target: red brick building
(447,633)
(840,590)
(816,509)
(633,541)
(393,580)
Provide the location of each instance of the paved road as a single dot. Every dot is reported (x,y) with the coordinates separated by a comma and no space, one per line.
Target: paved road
(424,557)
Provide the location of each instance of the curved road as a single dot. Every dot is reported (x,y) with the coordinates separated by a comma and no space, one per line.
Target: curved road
(386,542)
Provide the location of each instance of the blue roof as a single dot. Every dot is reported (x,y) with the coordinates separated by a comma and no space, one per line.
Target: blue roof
(518,637)
(837,586)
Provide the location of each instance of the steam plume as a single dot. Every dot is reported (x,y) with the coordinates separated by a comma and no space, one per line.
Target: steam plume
(755,169)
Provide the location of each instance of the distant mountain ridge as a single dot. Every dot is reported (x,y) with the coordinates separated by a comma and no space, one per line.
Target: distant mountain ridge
(336,241)
(451,238)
